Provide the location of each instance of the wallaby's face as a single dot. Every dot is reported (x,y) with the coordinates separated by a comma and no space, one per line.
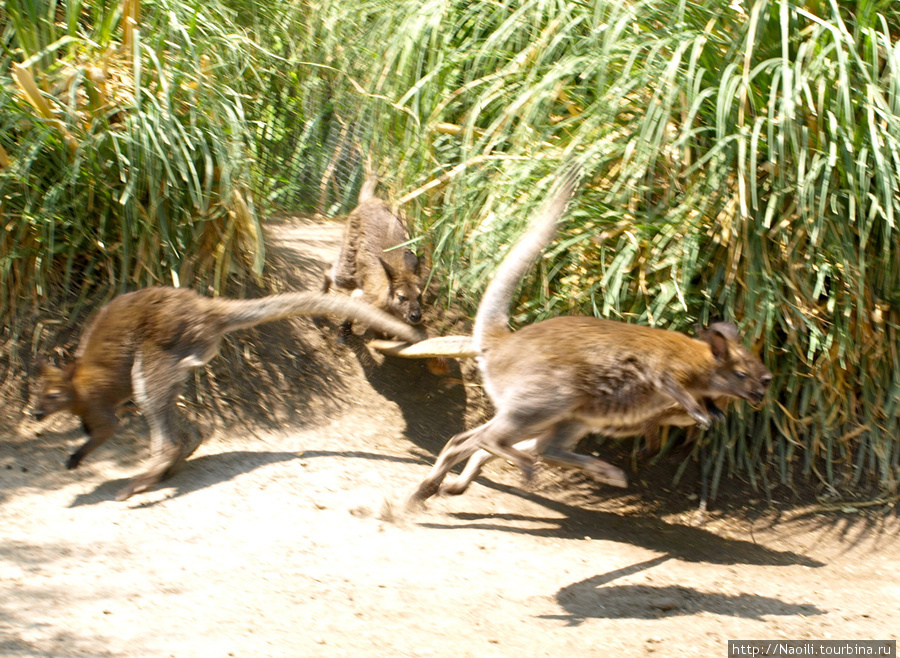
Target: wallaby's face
(56,391)
(405,289)
(738,373)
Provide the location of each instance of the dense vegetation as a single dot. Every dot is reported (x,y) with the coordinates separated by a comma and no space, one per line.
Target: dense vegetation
(743,158)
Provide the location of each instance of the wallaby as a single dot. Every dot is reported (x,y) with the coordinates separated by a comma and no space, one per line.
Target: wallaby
(371,264)
(650,429)
(143,344)
(555,381)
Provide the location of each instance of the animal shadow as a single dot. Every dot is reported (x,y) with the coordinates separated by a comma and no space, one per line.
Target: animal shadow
(433,407)
(193,475)
(690,544)
(589,599)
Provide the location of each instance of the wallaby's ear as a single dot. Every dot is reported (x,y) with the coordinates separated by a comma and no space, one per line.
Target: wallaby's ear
(68,370)
(728,329)
(47,370)
(367,191)
(718,336)
(423,265)
(387,269)
(42,365)
(410,262)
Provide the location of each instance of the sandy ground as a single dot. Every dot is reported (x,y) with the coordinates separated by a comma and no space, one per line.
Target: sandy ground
(285,534)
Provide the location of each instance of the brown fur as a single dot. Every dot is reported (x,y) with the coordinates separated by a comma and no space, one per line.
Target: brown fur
(143,344)
(372,266)
(554,381)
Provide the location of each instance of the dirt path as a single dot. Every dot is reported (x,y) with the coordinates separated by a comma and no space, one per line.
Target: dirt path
(272,541)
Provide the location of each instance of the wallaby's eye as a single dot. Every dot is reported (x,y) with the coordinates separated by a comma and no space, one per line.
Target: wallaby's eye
(402,298)
(740,375)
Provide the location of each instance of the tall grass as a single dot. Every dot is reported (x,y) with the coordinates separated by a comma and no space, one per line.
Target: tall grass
(745,165)
(125,152)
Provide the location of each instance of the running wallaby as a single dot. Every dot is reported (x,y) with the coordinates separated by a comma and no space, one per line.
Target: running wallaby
(143,344)
(371,264)
(650,429)
(555,381)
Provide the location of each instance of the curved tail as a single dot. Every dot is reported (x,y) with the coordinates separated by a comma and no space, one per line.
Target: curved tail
(245,313)
(492,319)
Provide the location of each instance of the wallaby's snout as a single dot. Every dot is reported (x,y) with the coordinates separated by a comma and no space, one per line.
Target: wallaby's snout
(754,379)
(759,392)
(410,308)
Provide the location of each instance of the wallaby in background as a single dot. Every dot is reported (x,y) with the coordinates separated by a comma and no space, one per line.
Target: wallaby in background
(555,381)
(142,345)
(372,266)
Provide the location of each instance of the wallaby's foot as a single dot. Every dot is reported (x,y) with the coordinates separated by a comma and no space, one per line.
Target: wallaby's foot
(320,322)
(455,487)
(606,473)
(138,485)
(344,333)
(163,464)
(191,440)
(74,460)
(425,491)
(144,482)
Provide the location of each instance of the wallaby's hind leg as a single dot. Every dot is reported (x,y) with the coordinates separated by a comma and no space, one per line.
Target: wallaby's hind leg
(473,467)
(99,426)
(493,436)
(557,451)
(476,462)
(157,379)
(459,447)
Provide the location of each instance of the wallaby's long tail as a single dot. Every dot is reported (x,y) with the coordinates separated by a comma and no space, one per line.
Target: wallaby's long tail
(367,191)
(492,319)
(371,183)
(244,313)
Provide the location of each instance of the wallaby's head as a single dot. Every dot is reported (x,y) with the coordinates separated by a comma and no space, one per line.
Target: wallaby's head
(738,372)
(57,392)
(405,290)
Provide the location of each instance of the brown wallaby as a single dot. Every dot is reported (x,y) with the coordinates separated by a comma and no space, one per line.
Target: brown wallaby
(650,429)
(554,381)
(143,344)
(371,264)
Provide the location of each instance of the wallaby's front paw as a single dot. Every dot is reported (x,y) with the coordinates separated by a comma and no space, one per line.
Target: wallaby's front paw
(715,413)
(527,468)
(607,473)
(73,461)
(703,421)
